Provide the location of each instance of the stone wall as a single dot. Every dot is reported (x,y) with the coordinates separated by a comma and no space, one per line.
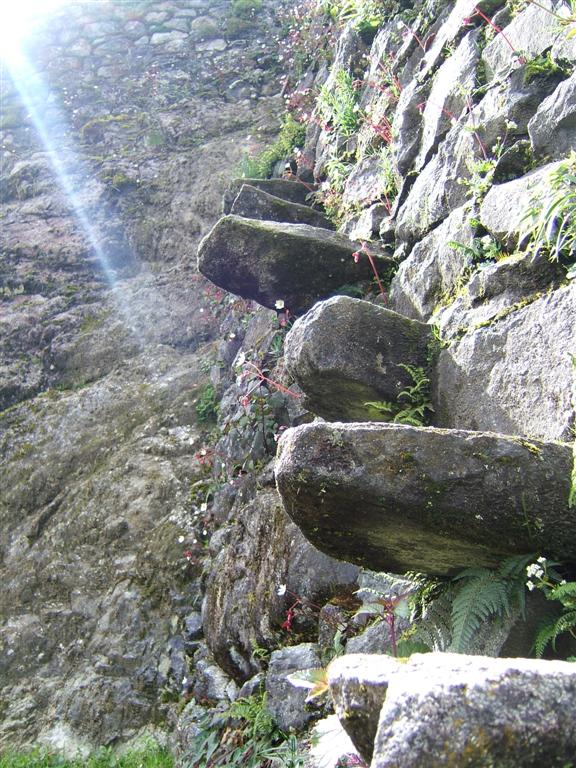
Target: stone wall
(143,405)
(108,340)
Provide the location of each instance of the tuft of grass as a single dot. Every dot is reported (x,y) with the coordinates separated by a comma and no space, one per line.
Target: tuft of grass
(151,756)
(292,135)
(549,223)
(339,105)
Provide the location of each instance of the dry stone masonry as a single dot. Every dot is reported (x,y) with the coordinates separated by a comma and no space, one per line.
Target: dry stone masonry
(150,542)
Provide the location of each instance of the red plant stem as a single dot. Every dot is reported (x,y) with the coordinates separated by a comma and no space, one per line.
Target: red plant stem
(474,131)
(422,45)
(391,618)
(292,177)
(376,275)
(273,383)
(299,600)
(498,31)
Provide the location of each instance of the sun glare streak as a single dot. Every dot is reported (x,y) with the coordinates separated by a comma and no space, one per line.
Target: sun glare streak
(34,93)
(18,19)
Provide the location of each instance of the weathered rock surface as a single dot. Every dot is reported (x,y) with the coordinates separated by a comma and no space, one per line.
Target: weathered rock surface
(434,269)
(345,353)
(505,208)
(106,335)
(291,191)
(446,100)
(520,356)
(530,33)
(358,684)
(444,710)
(269,261)
(254,203)
(263,550)
(552,130)
(286,701)
(397,498)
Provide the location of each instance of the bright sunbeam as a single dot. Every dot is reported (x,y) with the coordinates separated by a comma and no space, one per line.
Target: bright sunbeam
(18,18)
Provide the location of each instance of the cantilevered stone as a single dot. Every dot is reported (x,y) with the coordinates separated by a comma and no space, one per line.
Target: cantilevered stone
(396,498)
(268,261)
(293,191)
(445,709)
(253,203)
(345,353)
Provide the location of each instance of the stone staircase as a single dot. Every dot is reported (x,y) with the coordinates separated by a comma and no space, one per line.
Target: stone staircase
(388,496)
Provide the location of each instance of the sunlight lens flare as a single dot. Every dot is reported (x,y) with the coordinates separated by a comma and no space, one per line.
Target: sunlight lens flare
(18,19)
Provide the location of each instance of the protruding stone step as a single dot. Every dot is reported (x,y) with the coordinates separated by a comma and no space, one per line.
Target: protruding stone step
(358,684)
(345,353)
(270,262)
(293,191)
(253,203)
(443,709)
(396,498)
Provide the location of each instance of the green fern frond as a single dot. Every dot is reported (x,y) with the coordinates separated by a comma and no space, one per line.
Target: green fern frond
(543,638)
(435,626)
(483,597)
(515,567)
(565,593)
(549,632)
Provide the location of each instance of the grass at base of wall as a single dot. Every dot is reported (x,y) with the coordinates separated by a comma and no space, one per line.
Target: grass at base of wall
(147,757)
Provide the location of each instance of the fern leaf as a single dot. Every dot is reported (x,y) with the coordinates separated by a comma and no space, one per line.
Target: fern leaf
(565,593)
(483,597)
(543,638)
(434,628)
(565,623)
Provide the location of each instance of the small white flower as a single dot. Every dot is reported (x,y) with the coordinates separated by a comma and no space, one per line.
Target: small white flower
(180,539)
(279,304)
(534,570)
(530,585)
(281,591)
(204,506)
(541,560)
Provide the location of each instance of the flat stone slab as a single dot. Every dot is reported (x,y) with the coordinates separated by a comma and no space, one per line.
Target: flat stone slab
(293,191)
(444,710)
(269,261)
(345,353)
(254,203)
(396,498)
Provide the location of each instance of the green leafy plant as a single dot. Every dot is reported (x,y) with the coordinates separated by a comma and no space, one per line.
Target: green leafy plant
(542,575)
(450,615)
(387,607)
(338,105)
(480,250)
(413,405)
(243,736)
(482,175)
(542,66)
(245,9)
(148,756)
(364,15)
(207,404)
(549,223)
(260,166)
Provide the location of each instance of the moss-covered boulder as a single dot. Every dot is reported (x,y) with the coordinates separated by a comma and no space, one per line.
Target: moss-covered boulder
(396,498)
(347,354)
(269,262)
